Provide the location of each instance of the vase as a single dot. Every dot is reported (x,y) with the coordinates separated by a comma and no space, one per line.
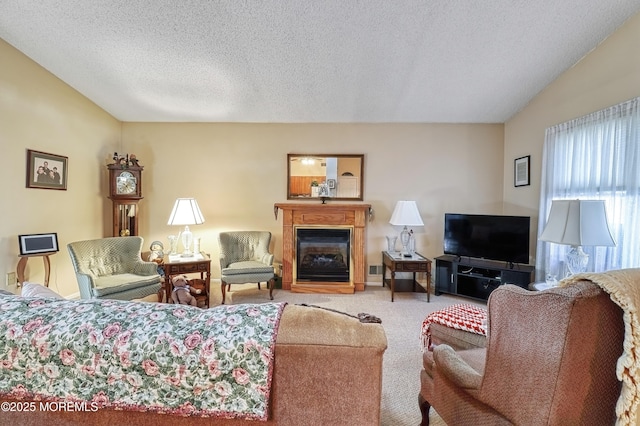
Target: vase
(391,243)
(173,244)
(411,247)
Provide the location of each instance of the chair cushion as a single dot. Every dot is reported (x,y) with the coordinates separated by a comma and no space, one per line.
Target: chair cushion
(455,368)
(457,339)
(122,282)
(247,267)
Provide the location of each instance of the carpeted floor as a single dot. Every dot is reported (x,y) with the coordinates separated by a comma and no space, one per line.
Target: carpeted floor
(401,320)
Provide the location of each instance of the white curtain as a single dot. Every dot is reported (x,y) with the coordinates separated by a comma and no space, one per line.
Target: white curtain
(595,157)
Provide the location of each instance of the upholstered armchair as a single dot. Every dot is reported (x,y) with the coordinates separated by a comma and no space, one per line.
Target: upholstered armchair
(112,268)
(245,258)
(550,359)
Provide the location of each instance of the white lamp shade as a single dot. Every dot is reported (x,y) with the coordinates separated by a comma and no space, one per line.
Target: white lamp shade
(406,214)
(186,212)
(578,223)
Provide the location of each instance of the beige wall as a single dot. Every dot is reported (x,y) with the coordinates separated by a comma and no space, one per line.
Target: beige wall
(238,171)
(40,112)
(610,74)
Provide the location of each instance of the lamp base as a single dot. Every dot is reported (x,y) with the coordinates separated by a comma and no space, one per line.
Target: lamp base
(577,260)
(404,240)
(187,239)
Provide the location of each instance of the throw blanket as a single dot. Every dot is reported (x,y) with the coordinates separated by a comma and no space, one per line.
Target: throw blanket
(140,356)
(462,317)
(623,287)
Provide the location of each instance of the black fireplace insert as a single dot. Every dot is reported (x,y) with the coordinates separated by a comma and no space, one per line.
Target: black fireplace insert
(323,255)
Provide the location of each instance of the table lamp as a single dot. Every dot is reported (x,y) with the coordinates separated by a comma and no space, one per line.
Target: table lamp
(577,223)
(186,212)
(406,214)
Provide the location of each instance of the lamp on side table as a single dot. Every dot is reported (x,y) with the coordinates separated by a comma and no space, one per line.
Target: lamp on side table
(186,212)
(578,223)
(406,214)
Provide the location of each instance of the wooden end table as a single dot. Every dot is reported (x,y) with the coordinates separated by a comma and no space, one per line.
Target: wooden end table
(176,265)
(22,264)
(395,262)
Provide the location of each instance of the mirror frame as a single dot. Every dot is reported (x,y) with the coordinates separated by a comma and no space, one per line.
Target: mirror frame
(291,157)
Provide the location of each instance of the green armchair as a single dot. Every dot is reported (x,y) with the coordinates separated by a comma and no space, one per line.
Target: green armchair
(112,268)
(245,258)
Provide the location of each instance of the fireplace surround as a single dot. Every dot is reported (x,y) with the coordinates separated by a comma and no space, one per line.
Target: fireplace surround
(328,220)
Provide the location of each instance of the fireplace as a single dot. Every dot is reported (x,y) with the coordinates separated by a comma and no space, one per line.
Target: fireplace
(348,219)
(323,254)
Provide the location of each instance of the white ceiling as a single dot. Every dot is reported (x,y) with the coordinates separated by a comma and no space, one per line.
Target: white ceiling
(299,61)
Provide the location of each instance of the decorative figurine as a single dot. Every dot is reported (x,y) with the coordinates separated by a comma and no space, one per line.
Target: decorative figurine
(157,252)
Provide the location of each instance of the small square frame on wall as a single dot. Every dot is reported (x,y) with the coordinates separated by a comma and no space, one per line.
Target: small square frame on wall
(46,171)
(522,171)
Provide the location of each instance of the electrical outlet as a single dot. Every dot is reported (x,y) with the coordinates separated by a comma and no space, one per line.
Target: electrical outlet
(12,280)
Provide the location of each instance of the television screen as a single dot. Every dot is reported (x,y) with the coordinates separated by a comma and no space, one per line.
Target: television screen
(504,238)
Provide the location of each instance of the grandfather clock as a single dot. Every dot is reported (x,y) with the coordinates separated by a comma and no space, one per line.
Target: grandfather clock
(125,191)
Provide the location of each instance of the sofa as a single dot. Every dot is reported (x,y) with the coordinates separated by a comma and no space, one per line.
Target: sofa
(326,368)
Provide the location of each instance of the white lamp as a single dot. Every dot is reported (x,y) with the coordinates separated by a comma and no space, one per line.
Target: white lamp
(186,212)
(406,214)
(578,223)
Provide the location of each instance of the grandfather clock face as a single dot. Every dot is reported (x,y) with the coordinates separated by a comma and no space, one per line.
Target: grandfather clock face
(125,183)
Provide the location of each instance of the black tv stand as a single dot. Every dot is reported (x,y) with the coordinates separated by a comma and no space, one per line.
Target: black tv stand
(477,278)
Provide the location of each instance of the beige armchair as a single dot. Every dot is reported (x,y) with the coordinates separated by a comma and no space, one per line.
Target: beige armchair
(112,268)
(245,258)
(550,359)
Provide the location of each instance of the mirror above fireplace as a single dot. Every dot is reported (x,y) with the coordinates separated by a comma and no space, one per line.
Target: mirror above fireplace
(325,176)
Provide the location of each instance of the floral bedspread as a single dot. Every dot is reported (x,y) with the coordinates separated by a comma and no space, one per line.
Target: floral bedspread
(166,358)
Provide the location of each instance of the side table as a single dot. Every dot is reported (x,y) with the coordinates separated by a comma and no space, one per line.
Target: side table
(22,264)
(177,265)
(395,262)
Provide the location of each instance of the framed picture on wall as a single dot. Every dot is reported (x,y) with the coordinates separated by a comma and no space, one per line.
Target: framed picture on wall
(521,171)
(47,171)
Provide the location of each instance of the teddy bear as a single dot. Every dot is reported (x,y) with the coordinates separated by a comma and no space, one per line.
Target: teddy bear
(181,293)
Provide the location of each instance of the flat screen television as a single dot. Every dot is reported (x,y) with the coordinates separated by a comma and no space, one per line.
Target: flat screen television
(503,238)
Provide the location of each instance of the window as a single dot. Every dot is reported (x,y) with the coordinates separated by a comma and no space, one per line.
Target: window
(595,157)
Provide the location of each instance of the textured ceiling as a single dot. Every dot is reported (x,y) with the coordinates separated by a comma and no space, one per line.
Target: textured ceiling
(299,61)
